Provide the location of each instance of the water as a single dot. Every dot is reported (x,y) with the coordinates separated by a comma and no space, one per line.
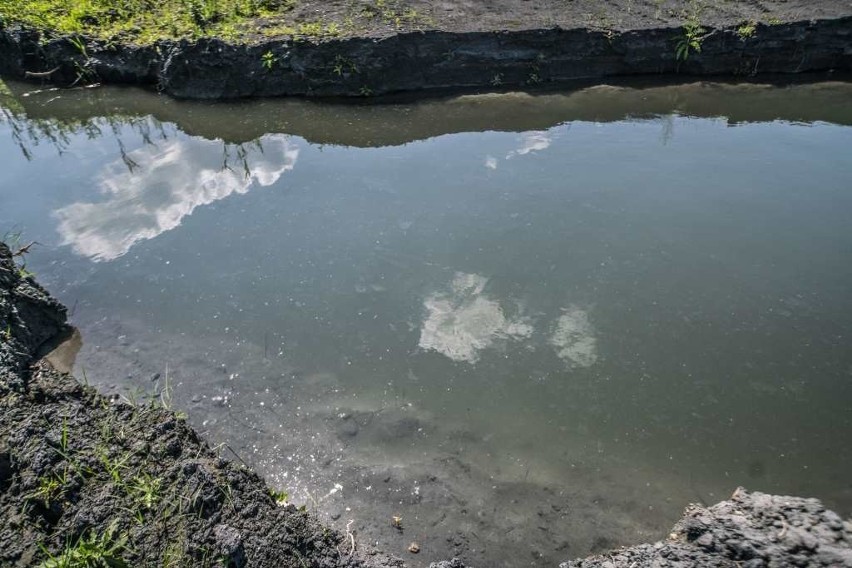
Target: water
(532,326)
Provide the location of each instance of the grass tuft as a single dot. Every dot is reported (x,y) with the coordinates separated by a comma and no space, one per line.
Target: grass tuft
(92,551)
(143,21)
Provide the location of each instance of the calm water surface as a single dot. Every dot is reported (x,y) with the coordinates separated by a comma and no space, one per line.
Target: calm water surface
(533,326)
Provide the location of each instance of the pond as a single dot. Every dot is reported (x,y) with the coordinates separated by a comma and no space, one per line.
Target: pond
(531,325)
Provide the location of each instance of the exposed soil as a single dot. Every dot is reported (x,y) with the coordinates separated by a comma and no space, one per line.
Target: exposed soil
(750,529)
(416,45)
(515,15)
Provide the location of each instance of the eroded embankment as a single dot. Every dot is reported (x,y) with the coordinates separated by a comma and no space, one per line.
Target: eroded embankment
(429,59)
(86,479)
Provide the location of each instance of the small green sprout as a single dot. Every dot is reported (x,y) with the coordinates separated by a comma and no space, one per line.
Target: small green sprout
(268,60)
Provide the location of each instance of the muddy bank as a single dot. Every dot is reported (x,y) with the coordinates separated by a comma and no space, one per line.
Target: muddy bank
(750,529)
(474,45)
(84,477)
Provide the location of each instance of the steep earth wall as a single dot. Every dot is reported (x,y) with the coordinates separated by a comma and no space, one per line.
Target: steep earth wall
(431,59)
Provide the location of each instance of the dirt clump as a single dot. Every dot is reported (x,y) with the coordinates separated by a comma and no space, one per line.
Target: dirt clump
(750,529)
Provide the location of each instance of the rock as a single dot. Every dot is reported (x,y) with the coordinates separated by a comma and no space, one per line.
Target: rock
(229,545)
(750,529)
(454,563)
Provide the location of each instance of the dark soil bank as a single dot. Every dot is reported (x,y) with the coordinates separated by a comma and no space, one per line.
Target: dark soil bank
(473,44)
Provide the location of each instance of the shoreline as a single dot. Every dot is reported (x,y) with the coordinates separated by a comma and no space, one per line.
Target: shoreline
(440,56)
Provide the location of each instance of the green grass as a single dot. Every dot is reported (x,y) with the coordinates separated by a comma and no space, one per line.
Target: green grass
(144,21)
(690,39)
(104,550)
(51,489)
(746,30)
(392,12)
(279,496)
(145,490)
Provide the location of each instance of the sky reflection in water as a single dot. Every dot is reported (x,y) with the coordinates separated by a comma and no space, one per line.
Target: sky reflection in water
(165,183)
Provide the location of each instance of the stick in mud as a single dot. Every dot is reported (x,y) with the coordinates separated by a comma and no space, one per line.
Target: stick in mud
(236,455)
(40,75)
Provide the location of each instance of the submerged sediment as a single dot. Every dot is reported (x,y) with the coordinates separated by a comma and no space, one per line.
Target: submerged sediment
(517,49)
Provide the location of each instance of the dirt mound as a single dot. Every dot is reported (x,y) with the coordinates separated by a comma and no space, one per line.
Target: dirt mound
(749,530)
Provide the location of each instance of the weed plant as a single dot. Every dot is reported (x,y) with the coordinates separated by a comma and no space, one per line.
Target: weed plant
(91,551)
(690,40)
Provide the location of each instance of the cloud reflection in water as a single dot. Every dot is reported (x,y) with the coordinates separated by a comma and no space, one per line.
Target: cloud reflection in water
(173,178)
(466,320)
(532,141)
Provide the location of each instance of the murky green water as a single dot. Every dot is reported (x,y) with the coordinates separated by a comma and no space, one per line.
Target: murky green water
(533,326)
